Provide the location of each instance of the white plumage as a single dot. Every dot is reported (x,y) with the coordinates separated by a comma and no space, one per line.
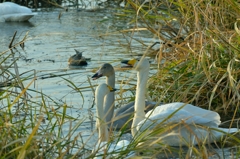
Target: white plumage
(188,113)
(117,118)
(13,12)
(102,148)
(186,124)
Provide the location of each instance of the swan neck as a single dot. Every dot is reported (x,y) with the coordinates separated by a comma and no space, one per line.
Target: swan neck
(101,121)
(109,100)
(142,77)
(111,80)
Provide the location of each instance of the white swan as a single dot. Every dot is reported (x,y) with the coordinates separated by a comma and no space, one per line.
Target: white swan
(103,135)
(13,12)
(124,113)
(189,124)
(77,59)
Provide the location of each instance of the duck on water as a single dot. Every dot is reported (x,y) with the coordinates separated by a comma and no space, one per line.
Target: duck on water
(77,59)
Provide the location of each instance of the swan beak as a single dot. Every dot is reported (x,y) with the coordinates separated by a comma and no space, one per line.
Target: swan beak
(96,75)
(130,63)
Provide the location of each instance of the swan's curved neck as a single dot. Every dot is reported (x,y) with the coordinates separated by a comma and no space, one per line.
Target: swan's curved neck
(109,100)
(111,80)
(101,122)
(139,106)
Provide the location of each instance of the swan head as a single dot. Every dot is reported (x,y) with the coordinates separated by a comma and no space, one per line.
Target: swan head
(138,64)
(105,70)
(103,89)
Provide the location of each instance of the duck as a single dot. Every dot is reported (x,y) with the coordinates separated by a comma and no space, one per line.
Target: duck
(121,117)
(12,12)
(104,148)
(77,59)
(184,124)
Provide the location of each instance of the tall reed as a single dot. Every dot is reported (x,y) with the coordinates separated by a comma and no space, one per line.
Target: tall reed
(200,49)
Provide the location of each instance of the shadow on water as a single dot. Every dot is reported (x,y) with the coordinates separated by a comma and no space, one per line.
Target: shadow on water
(17,25)
(7,30)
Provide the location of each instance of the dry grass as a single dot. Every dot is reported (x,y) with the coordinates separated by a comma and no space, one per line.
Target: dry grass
(201,65)
(200,51)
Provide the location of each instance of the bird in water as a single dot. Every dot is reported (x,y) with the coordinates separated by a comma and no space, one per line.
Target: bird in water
(120,117)
(181,124)
(12,12)
(77,59)
(103,148)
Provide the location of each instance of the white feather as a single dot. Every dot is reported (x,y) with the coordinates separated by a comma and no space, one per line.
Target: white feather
(13,12)
(102,147)
(186,124)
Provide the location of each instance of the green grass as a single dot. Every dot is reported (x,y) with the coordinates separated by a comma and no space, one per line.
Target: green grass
(201,66)
(200,52)
(32,128)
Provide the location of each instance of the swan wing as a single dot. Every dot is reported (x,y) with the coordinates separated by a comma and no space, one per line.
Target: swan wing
(12,8)
(192,111)
(162,116)
(123,114)
(129,108)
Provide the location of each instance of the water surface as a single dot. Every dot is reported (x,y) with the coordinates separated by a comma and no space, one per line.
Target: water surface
(51,41)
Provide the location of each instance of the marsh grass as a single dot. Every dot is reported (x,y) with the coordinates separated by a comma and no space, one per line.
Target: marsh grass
(34,127)
(30,129)
(197,61)
(200,50)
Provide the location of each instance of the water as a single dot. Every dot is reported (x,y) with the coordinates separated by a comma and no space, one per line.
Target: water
(51,41)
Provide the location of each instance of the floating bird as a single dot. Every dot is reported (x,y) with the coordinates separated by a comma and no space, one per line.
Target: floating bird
(103,148)
(15,13)
(184,124)
(123,114)
(77,59)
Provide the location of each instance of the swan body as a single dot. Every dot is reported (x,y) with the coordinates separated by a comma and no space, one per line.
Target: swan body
(186,124)
(103,135)
(13,12)
(77,59)
(122,115)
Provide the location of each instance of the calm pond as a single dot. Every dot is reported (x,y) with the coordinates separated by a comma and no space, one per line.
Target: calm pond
(51,41)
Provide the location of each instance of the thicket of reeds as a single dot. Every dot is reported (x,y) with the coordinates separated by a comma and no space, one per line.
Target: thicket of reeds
(30,128)
(198,61)
(200,50)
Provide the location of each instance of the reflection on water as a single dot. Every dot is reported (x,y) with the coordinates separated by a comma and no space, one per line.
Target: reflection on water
(51,41)
(8,29)
(16,25)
